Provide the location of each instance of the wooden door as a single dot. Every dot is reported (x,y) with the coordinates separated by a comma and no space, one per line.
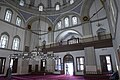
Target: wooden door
(30,68)
(36,68)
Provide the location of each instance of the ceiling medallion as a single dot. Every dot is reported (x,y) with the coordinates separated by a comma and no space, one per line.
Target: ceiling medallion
(85,18)
(29,26)
(49,28)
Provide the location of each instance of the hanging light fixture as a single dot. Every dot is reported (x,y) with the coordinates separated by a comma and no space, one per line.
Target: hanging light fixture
(37,53)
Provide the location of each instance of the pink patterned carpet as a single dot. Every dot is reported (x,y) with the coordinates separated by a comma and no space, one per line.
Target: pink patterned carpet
(58,77)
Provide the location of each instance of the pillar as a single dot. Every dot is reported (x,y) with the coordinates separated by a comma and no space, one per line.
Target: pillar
(90,61)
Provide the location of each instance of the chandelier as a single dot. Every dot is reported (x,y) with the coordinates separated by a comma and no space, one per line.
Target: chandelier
(36,55)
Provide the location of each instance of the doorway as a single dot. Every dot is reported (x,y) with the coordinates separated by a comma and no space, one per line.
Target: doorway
(106,64)
(68,64)
(68,68)
(43,65)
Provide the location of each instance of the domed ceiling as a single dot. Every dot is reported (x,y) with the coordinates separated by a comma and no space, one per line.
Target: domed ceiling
(49,6)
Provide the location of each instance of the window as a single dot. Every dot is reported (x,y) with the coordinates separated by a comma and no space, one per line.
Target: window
(57,7)
(18,21)
(74,20)
(4,41)
(73,41)
(22,2)
(58,64)
(80,63)
(8,15)
(40,7)
(71,1)
(16,43)
(2,64)
(109,66)
(13,65)
(59,25)
(43,63)
(66,22)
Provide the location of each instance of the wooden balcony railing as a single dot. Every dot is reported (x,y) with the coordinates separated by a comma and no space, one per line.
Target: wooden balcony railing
(79,40)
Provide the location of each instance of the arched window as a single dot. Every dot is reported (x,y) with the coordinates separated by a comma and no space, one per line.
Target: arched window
(57,6)
(8,15)
(22,3)
(4,40)
(41,7)
(16,43)
(66,20)
(59,25)
(74,20)
(18,21)
(71,1)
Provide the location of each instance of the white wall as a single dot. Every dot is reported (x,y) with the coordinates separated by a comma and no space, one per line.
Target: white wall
(6,54)
(104,25)
(12,30)
(98,15)
(14,16)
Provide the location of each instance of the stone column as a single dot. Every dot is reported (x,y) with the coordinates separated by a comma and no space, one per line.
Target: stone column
(27,40)
(90,61)
(50,37)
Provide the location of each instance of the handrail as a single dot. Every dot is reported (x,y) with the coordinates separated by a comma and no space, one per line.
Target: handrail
(81,40)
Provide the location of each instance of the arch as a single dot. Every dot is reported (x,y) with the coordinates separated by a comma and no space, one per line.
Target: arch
(35,18)
(85,9)
(17,36)
(68,58)
(5,34)
(66,33)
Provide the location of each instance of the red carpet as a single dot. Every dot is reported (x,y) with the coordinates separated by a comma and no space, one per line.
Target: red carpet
(58,77)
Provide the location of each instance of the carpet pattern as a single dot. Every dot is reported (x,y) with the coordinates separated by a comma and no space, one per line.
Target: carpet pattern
(58,77)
